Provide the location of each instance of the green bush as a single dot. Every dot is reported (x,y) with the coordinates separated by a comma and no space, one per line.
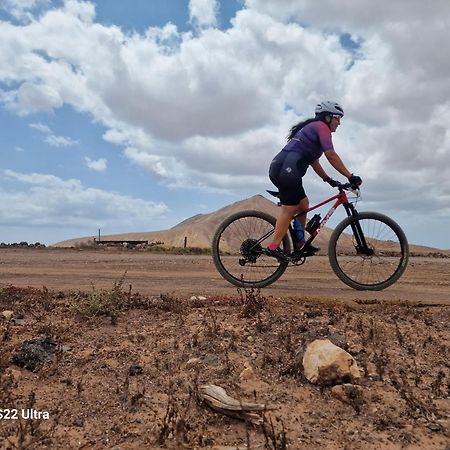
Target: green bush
(99,302)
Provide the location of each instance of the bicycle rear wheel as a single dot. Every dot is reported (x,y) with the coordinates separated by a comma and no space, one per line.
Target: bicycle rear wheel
(237,250)
(378,266)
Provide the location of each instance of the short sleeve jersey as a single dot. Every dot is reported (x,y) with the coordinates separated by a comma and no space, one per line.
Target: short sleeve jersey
(311,141)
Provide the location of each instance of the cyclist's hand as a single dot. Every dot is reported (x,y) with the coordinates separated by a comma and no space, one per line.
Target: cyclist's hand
(355,180)
(331,182)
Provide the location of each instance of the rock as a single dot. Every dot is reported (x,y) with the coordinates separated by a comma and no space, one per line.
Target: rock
(78,422)
(135,369)
(34,353)
(247,374)
(197,297)
(433,426)
(210,359)
(24,321)
(193,362)
(325,363)
(7,315)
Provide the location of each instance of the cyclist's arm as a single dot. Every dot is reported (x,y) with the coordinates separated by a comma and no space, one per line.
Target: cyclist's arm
(337,163)
(317,167)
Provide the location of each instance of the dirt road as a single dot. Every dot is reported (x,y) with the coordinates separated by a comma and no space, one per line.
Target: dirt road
(426,279)
(127,376)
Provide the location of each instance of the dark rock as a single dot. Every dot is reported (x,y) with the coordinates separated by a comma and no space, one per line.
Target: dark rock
(210,359)
(135,369)
(34,353)
(78,422)
(310,314)
(433,426)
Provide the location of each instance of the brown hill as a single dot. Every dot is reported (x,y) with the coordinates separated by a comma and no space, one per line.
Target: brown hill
(198,230)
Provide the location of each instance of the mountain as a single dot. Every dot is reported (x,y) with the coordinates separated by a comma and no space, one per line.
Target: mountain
(199,230)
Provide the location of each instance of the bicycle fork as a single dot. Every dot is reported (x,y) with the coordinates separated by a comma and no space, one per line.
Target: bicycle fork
(361,246)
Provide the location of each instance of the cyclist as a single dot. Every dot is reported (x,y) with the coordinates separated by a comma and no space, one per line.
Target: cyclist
(307,141)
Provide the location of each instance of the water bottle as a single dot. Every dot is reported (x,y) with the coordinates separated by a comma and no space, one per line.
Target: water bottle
(298,231)
(313,224)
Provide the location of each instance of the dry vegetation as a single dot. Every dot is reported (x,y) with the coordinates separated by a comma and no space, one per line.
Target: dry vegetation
(126,371)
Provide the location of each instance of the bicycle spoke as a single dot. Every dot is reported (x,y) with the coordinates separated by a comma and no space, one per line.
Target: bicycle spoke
(378,265)
(237,250)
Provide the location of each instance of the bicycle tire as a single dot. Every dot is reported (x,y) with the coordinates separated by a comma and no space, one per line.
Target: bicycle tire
(373,272)
(230,245)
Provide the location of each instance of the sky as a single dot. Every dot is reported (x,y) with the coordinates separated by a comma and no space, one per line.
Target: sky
(133,116)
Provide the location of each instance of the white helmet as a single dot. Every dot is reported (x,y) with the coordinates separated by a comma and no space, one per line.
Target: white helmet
(329,107)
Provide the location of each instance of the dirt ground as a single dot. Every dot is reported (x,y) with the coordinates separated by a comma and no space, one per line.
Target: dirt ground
(425,280)
(134,335)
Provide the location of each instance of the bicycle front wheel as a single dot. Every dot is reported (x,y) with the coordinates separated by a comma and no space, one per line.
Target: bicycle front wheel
(376,265)
(237,250)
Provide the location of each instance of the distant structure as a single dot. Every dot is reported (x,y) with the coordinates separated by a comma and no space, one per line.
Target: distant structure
(123,243)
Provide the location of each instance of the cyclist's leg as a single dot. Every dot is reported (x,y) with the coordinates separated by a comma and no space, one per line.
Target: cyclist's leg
(282,225)
(284,173)
(303,206)
(284,219)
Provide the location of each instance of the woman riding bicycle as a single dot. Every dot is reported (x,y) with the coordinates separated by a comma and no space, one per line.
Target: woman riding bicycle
(307,141)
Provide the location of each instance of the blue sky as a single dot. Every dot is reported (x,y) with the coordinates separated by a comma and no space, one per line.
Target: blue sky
(133,116)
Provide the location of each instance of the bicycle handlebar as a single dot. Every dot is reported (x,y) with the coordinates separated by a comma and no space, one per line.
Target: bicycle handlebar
(347,187)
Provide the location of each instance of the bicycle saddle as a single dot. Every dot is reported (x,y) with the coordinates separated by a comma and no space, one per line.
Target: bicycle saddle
(274,193)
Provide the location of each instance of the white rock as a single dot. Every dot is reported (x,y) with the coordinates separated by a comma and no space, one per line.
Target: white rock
(7,314)
(326,363)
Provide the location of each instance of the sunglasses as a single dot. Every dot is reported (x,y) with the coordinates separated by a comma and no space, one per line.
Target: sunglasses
(336,116)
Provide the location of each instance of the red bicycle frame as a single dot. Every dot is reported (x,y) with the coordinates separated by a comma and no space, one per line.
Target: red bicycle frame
(340,199)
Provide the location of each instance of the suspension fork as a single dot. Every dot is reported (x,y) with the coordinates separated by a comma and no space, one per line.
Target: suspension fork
(361,243)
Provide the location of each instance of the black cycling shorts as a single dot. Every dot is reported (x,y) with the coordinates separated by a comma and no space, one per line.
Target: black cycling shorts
(286,172)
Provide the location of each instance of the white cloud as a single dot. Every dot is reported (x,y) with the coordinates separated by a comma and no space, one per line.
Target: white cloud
(210,108)
(20,9)
(34,97)
(52,139)
(203,12)
(42,199)
(97,165)
(60,141)
(41,127)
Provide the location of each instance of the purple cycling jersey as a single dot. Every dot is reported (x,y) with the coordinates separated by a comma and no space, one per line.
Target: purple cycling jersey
(311,141)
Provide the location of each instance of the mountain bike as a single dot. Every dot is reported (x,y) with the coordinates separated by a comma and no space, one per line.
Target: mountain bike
(366,250)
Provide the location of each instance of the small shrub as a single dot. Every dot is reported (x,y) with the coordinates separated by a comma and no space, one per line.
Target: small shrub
(180,250)
(100,302)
